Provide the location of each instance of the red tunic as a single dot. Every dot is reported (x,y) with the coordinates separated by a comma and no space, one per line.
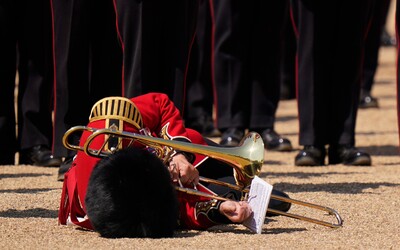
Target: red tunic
(158,114)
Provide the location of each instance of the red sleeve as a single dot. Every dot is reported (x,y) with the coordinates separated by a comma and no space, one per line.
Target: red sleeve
(189,216)
(160,115)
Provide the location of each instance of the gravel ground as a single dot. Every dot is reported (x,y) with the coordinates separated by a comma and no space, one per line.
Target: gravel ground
(367,198)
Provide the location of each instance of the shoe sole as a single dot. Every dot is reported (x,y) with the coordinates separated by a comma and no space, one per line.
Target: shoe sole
(60,177)
(50,163)
(367,106)
(361,161)
(307,162)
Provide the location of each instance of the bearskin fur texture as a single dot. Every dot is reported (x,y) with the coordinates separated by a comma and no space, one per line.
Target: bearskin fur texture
(130,194)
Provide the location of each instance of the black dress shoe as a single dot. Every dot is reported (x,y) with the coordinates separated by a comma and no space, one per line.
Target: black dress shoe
(311,156)
(231,137)
(39,155)
(274,142)
(64,167)
(367,101)
(277,204)
(387,39)
(348,155)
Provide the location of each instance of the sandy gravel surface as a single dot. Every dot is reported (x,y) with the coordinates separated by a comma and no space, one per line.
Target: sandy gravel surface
(368,198)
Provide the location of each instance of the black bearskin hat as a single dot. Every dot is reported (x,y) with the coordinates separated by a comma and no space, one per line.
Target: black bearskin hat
(130,194)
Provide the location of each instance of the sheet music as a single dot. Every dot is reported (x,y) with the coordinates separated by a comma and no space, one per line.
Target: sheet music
(259,196)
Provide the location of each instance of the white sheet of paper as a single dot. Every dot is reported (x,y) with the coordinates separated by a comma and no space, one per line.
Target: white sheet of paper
(259,196)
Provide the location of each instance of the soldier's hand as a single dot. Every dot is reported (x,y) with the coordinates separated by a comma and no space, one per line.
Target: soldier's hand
(235,211)
(181,168)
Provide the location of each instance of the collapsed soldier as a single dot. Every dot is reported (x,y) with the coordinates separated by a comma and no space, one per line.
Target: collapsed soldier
(131,193)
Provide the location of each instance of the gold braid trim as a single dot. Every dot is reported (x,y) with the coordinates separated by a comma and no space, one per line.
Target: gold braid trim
(210,210)
(204,207)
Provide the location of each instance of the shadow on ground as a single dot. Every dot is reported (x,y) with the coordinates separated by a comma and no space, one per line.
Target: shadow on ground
(35,212)
(27,190)
(19,175)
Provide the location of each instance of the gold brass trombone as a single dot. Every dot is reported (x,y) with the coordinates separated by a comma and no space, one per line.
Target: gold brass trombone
(247,160)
